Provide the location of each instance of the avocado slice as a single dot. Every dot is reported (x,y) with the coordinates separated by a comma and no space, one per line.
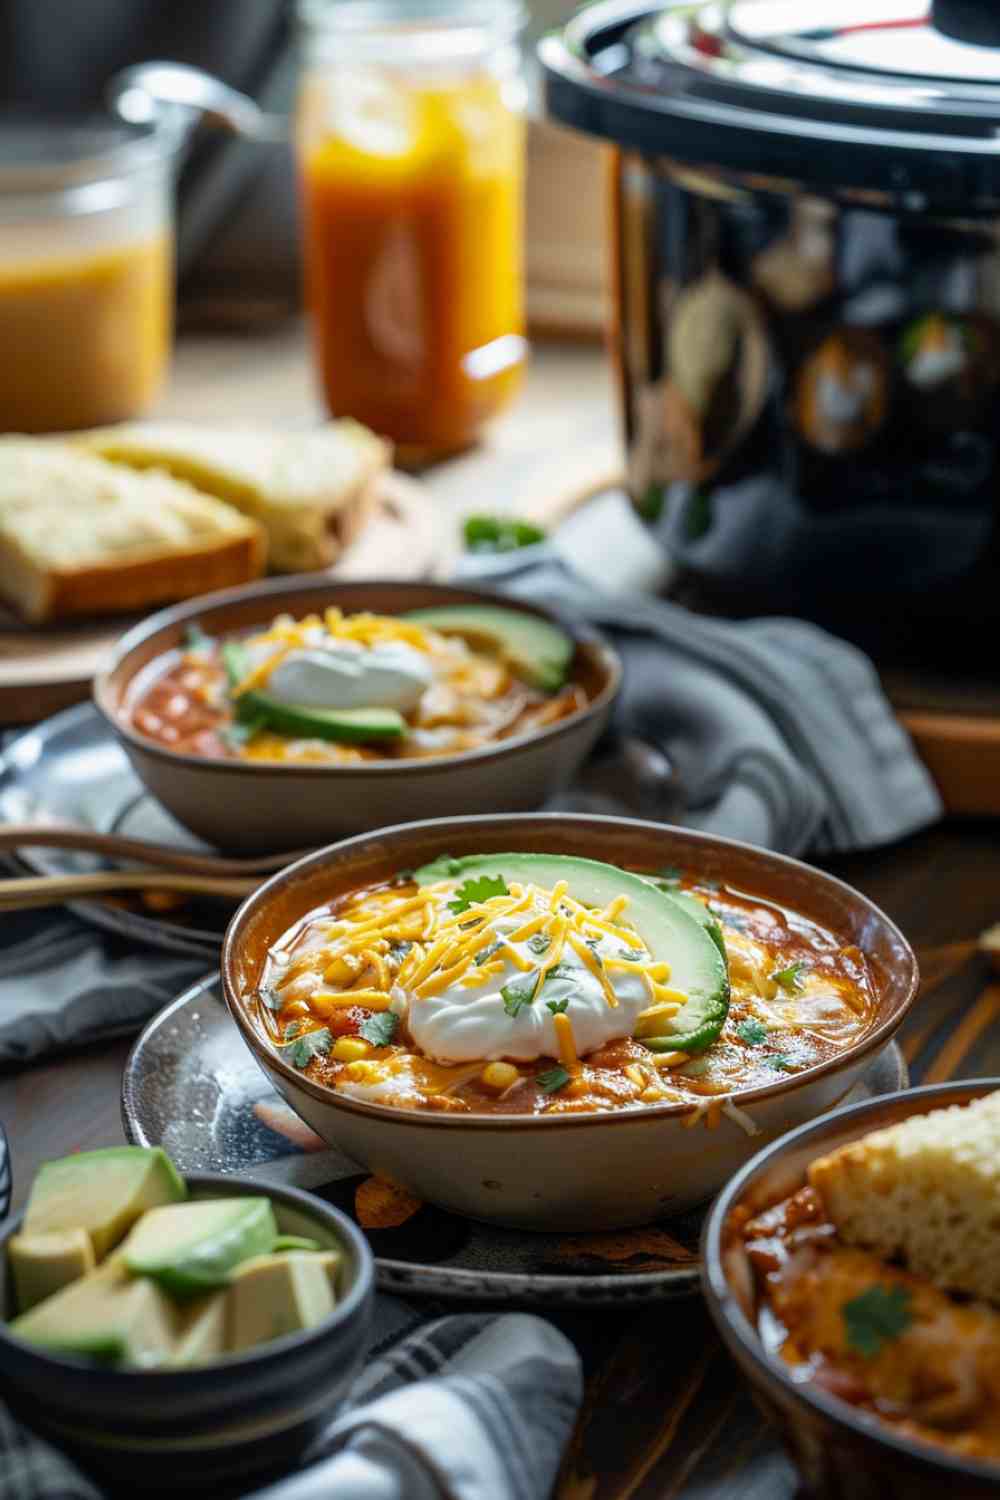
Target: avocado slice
(348,725)
(669,930)
(702,916)
(202,1335)
(536,649)
(102,1192)
(42,1264)
(277,1294)
(108,1316)
(294,1242)
(190,1248)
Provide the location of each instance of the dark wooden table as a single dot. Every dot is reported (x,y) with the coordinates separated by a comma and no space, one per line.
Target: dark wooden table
(666,1414)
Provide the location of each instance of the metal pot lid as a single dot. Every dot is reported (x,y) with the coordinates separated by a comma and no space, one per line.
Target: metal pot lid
(898,99)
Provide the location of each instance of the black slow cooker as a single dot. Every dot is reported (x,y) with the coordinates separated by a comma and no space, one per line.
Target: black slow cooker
(806,261)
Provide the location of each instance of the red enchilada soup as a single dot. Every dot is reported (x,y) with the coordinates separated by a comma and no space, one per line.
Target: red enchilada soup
(541,984)
(337,689)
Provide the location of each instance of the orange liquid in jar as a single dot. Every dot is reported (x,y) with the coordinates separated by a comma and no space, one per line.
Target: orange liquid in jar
(413,242)
(84,337)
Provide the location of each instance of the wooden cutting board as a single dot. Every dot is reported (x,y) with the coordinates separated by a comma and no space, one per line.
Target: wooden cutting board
(44,670)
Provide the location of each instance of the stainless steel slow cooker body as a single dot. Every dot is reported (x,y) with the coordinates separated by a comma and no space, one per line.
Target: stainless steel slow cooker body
(806,266)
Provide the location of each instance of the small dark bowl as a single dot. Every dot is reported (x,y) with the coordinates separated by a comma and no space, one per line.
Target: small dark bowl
(252,1414)
(842,1453)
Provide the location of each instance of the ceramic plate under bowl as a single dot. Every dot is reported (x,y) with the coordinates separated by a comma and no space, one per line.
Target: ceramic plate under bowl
(71,769)
(191,1086)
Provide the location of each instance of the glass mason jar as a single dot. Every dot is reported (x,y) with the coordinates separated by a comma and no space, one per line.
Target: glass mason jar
(410,141)
(86,272)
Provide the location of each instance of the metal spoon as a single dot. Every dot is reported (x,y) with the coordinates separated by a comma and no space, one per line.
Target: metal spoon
(117,846)
(53,890)
(145,92)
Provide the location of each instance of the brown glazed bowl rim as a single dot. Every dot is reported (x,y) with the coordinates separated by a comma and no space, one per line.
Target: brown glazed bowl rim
(408,833)
(271,1355)
(271,593)
(738,1333)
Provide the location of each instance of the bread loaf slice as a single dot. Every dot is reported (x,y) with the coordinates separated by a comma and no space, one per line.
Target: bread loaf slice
(925,1191)
(79,536)
(311,490)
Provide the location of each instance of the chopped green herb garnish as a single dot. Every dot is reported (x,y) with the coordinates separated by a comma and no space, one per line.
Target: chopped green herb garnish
(558,1006)
(402,877)
(485,954)
(875,1317)
(398,950)
(519,992)
(562,971)
(554,1079)
(269,996)
(239,733)
(672,873)
(499,534)
(480,888)
(791,978)
(539,943)
(780,1063)
(380,1028)
(196,639)
(752,1031)
(235,661)
(301,1052)
(294,1029)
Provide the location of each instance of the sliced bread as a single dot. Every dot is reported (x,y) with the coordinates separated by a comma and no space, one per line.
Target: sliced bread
(925,1191)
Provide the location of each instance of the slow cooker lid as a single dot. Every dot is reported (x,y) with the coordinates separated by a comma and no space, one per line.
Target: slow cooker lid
(895,92)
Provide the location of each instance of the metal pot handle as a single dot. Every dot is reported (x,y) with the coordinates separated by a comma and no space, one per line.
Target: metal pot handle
(180,97)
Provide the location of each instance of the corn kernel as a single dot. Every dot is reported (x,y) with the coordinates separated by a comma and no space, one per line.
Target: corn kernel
(499,1076)
(350,1049)
(363,1072)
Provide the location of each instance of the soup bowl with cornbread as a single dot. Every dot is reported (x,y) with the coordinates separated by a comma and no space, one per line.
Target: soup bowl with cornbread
(852,1271)
(560,1021)
(288,713)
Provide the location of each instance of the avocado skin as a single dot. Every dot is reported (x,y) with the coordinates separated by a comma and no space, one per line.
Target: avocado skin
(539,651)
(347,725)
(709,1010)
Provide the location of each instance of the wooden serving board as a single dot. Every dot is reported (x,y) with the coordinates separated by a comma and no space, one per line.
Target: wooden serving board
(44,670)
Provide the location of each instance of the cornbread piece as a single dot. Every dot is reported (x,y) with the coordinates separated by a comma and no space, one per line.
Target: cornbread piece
(310,490)
(79,536)
(927,1191)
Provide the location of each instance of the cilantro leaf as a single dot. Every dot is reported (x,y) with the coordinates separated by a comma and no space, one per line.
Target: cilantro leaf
(196,639)
(790,979)
(380,1028)
(875,1317)
(752,1031)
(519,992)
(562,971)
(239,733)
(301,1052)
(539,943)
(480,888)
(499,534)
(557,1006)
(780,1062)
(269,996)
(485,954)
(294,1029)
(553,1080)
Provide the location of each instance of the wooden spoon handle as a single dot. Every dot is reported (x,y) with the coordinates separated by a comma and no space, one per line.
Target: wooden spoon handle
(53,890)
(117,846)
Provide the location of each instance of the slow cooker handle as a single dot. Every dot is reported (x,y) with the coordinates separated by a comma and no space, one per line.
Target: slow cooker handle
(153,91)
(975,21)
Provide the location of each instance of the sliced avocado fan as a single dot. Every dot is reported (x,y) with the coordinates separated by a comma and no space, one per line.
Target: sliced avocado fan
(348,725)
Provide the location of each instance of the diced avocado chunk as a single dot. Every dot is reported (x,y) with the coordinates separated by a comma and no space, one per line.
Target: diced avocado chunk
(534,648)
(348,725)
(102,1192)
(42,1264)
(108,1315)
(202,1334)
(295,1242)
(278,1294)
(665,925)
(190,1248)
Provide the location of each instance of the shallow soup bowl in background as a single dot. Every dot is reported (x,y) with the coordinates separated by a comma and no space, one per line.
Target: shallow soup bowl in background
(840,1450)
(565,1171)
(261,806)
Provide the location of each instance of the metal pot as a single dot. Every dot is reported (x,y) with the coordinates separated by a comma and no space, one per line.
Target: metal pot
(806,263)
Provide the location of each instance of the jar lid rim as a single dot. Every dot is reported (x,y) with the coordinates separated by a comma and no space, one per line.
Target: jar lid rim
(45,153)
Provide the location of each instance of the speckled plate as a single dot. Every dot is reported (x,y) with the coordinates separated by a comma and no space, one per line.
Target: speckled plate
(71,769)
(191,1086)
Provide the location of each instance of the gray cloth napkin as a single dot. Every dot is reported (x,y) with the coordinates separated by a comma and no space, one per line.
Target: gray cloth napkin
(470,1407)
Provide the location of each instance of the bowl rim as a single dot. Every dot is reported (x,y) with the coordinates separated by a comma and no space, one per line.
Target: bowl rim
(878,1036)
(167,1380)
(735,1327)
(276,589)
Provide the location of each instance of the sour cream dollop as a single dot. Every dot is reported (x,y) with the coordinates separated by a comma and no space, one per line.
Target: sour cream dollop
(331,673)
(465,1023)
